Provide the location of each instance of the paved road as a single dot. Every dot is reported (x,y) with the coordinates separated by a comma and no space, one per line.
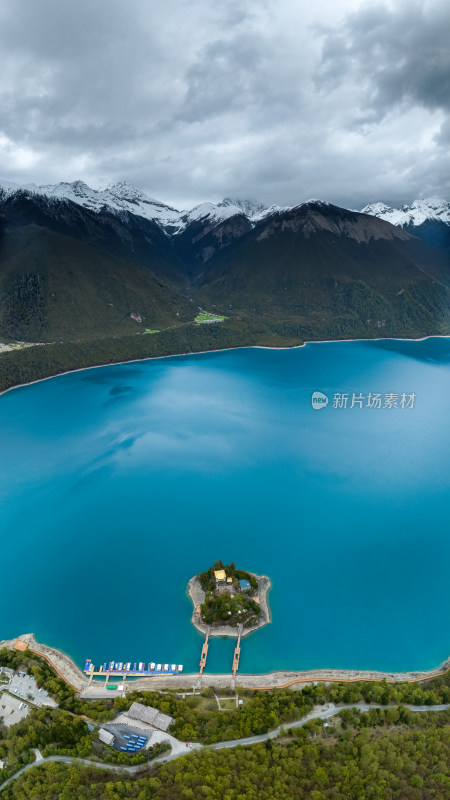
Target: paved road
(323,712)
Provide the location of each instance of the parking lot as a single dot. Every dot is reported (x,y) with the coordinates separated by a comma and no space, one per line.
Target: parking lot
(122,731)
(12,709)
(24,686)
(127,725)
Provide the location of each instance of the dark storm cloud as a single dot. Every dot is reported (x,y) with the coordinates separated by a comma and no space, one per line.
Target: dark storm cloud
(195,101)
(401,55)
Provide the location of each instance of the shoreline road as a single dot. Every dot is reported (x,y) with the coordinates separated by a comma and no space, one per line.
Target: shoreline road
(321,712)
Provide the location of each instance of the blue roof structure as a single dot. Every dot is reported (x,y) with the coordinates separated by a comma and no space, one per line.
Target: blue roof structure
(244,584)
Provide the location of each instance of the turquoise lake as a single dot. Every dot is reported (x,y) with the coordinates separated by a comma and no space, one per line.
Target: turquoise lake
(119,483)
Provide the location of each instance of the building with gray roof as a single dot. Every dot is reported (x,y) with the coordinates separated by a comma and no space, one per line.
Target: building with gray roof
(150,715)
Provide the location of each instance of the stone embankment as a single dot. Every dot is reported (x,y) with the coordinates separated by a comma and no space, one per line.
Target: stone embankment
(69,671)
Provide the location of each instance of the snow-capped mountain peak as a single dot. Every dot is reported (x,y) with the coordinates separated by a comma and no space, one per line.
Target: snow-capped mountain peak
(125,189)
(127,192)
(247,207)
(416,214)
(215,213)
(122,196)
(118,197)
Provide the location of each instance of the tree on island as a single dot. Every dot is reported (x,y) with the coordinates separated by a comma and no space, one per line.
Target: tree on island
(226,602)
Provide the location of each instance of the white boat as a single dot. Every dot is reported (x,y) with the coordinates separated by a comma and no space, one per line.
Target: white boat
(128,666)
(173,668)
(180,667)
(141,666)
(166,667)
(158,668)
(152,665)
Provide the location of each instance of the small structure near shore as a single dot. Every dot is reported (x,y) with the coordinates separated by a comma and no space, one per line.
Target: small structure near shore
(227,599)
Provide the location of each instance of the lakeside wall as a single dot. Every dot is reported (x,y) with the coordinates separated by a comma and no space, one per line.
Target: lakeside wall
(72,674)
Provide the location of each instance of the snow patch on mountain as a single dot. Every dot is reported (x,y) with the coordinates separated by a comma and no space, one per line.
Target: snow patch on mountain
(118,197)
(247,207)
(227,208)
(209,211)
(417,213)
(268,212)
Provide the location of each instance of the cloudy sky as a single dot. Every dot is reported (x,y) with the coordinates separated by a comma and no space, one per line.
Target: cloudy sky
(191,100)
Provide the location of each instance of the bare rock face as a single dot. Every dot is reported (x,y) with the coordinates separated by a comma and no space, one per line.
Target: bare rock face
(314,217)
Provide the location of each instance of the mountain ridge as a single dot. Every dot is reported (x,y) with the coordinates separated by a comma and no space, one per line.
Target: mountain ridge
(426,218)
(91,277)
(123,196)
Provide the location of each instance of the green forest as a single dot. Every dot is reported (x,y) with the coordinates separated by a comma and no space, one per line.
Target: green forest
(389,752)
(395,754)
(228,605)
(41,361)
(270,329)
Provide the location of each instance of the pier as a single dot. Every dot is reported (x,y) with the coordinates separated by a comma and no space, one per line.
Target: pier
(124,669)
(204,652)
(237,652)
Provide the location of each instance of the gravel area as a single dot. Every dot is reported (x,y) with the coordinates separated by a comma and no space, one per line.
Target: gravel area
(12,709)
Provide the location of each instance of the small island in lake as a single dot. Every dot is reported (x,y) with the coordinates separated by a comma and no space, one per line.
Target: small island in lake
(225,597)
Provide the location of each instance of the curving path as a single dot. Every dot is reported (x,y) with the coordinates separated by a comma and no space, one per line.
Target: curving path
(321,712)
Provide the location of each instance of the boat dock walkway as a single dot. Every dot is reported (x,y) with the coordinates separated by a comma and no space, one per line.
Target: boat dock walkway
(114,669)
(237,652)
(204,651)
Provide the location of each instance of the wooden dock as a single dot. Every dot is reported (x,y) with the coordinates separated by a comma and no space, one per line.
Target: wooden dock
(237,652)
(204,652)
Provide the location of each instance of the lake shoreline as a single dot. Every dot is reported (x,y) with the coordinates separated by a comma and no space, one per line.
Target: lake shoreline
(222,350)
(66,668)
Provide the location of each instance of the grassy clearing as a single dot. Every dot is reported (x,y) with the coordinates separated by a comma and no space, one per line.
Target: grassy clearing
(229,704)
(149,330)
(204,316)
